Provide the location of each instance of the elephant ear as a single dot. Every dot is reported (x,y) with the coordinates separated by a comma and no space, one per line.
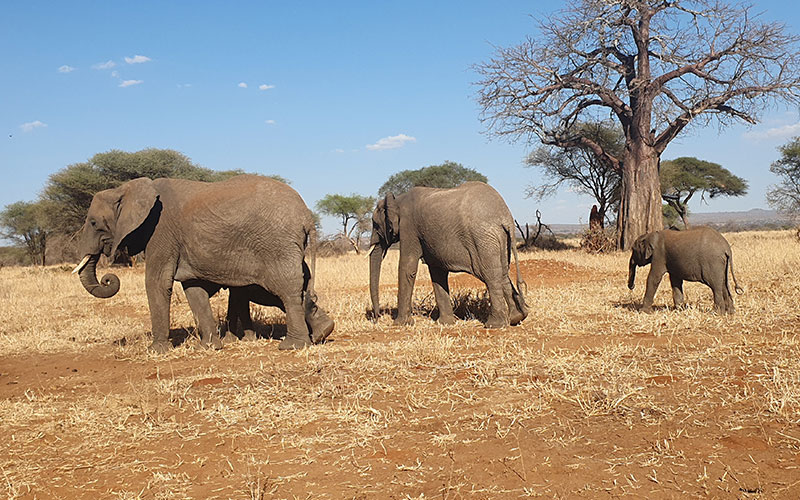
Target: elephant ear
(648,244)
(137,198)
(392,217)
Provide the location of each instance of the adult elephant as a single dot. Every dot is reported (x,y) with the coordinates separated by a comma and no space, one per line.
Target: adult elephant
(319,323)
(248,230)
(697,254)
(464,229)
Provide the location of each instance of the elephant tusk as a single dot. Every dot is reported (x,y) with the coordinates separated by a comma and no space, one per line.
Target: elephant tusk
(82,264)
(371,248)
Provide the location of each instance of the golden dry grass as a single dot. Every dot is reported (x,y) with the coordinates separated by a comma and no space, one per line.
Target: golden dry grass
(588,397)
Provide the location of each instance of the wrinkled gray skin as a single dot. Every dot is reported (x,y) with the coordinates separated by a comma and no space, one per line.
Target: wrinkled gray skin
(697,254)
(464,229)
(248,230)
(319,323)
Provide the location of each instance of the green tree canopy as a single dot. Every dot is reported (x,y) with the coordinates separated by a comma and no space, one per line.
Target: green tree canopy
(785,196)
(354,208)
(27,224)
(71,189)
(682,177)
(447,175)
(580,167)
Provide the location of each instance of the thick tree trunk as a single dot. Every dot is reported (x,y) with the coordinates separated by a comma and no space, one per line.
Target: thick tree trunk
(640,200)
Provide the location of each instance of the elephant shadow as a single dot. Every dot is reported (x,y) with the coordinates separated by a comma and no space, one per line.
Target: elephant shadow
(263,328)
(467,305)
(636,307)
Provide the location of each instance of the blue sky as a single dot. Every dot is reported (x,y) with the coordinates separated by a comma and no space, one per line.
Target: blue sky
(334,96)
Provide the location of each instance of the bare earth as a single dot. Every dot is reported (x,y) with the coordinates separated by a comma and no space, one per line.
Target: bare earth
(588,398)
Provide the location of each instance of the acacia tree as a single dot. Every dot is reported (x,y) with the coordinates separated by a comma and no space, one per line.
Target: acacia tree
(580,168)
(654,65)
(26,223)
(354,208)
(682,177)
(447,175)
(785,196)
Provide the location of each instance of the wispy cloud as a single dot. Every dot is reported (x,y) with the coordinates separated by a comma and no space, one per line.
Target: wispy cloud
(137,59)
(270,122)
(128,83)
(338,150)
(393,142)
(242,85)
(782,132)
(31,126)
(115,74)
(184,85)
(104,65)
(264,86)
(66,69)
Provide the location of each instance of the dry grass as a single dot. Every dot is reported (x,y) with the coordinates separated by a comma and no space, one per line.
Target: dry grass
(588,397)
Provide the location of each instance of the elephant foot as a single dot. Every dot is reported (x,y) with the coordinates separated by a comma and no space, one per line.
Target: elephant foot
(646,309)
(160,346)
(446,320)
(321,329)
(215,343)
(249,336)
(403,321)
(290,343)
(517,317)
(496,323)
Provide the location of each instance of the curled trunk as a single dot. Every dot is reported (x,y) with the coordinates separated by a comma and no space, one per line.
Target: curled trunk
(107,287)
(631,274)
(375,260)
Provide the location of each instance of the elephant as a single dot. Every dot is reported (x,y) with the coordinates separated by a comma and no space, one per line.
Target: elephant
(696,254)
(247,230)
(319,323)
(468,228)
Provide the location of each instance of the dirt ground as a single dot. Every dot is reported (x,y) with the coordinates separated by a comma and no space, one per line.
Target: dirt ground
(588,398)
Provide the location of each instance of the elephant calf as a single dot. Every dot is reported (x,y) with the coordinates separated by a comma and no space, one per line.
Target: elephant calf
(697,254)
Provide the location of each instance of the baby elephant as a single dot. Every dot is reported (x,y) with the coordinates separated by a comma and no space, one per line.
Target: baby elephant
(697,254)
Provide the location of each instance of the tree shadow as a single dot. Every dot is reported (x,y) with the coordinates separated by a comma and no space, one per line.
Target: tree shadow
(270,330)
(467,305)
(636,306)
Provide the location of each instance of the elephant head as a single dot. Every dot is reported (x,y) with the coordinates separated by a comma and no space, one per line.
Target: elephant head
(385,232)
(641,255)
(117,217)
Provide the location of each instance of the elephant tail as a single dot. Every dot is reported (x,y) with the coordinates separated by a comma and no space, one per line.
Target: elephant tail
(310,246)
(739,290)
(512,249)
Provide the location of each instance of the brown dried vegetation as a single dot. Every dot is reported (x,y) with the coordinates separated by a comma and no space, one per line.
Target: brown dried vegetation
(587,398)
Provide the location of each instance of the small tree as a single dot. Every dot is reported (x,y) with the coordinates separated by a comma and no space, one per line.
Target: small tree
(682,177)
(354,208)
(785,196)
(581,168)
(447,175)
(26,223)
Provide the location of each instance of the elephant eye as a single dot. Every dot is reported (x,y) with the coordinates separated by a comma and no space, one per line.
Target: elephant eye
(93,222)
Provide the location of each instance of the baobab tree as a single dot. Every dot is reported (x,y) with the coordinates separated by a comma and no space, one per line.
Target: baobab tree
(656,66)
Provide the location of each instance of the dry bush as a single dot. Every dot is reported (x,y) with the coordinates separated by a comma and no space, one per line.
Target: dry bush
(599,240)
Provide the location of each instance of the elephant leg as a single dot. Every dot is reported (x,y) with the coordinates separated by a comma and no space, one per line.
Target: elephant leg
(677,291)
(407,275)
(197,296)
(722,298)
(319,323)
(297,335)
(239,312)
(498,317)
(653,280)
(441,291)
(158,286)
(517,310)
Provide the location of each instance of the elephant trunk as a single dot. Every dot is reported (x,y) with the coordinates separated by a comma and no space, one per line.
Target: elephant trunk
(107,287)
(375,260)
(631,274)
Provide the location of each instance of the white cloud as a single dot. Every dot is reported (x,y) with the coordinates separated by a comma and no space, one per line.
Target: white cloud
(137,59)
(782,132)
(338,150)
(242,85)
(184,85)
(128,83)
(104,65)
(115,74)
(30,126)
(66,69)
(393,142)
(270,122)
(264,86)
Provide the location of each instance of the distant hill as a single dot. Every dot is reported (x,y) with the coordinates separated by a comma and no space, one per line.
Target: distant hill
(755,218)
